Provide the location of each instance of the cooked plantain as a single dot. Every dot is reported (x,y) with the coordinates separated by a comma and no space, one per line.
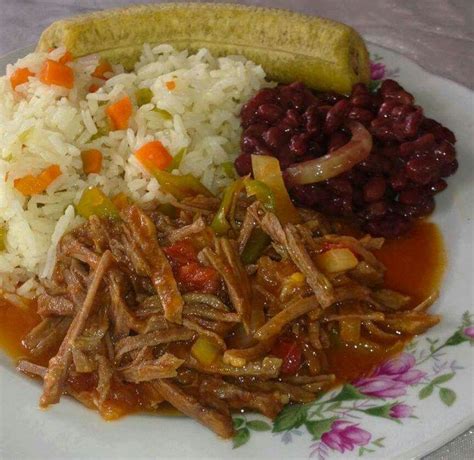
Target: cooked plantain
(326,55)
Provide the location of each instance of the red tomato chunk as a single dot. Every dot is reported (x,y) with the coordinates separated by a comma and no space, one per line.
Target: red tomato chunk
(291,353)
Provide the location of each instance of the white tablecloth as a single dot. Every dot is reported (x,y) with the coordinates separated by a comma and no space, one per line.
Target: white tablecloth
(437,34)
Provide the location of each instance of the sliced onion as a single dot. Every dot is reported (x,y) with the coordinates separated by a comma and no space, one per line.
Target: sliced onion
(334,163)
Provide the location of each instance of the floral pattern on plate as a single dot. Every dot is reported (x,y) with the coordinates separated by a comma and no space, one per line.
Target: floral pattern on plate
(335,422)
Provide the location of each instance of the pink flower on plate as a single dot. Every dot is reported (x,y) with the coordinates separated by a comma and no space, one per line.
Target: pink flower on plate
(381,387)
(377,70)
(469,332)
(401,411)
(345,436)
(391,379)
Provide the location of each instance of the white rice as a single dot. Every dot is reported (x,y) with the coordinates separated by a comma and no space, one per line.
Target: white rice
(42,125)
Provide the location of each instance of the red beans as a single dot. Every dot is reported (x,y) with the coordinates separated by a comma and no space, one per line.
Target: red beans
(421,144)
(243,164)
(394,185)
(438,186)
(299,144)
(422,169)
(374,189)
(275,137)
(336,116)
(361,115)
(269,112)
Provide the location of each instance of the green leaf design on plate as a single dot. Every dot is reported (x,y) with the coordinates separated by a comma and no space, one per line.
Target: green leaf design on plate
(241,437)
(456,339)
(290,417)
(347,393)
(425,391)
(467,319)
(258,425)
(380,411)
(442,378)
(363,450)
(238,422)
(378,442)
(334,406)
(318,427)
(447,396)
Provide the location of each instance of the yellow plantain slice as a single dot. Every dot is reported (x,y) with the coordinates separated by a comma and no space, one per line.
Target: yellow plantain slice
(324,54)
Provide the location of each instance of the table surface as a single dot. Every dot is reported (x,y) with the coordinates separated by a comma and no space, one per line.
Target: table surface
(437,34)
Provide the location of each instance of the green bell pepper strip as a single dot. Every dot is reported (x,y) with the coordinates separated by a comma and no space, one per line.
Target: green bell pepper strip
(180,186)
(258,240)
(262,193)
(94,202)
(220,224)
(229,169)
(256,245)
(177,159)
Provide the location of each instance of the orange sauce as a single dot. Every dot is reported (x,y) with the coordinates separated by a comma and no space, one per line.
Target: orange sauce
(15,323)
(415,265)
(415,262)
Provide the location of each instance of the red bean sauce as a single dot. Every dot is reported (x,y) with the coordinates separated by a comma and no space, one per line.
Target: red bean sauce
(410,159)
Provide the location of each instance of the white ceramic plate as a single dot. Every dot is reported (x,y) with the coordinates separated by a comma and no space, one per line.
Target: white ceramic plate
(421,400)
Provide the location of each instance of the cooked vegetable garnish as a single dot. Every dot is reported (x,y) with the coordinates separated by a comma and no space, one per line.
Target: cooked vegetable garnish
(121,201)
(334,163)
(56,73)
(170,85)
(154,155)
(180,186)
(3,237)
(221,223)
(143,96)
(163,113)
(33,185)
(94,202)
(205,351)
(20,76)
(290,352)
(258,240)
(103,68)
(120,112)
(197,277)
(256,244)
(93,88)
(66,57)
(91,161)
(336,260)
(177,159)
(267,170)
(262,193)
(229,169)
(349,330)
